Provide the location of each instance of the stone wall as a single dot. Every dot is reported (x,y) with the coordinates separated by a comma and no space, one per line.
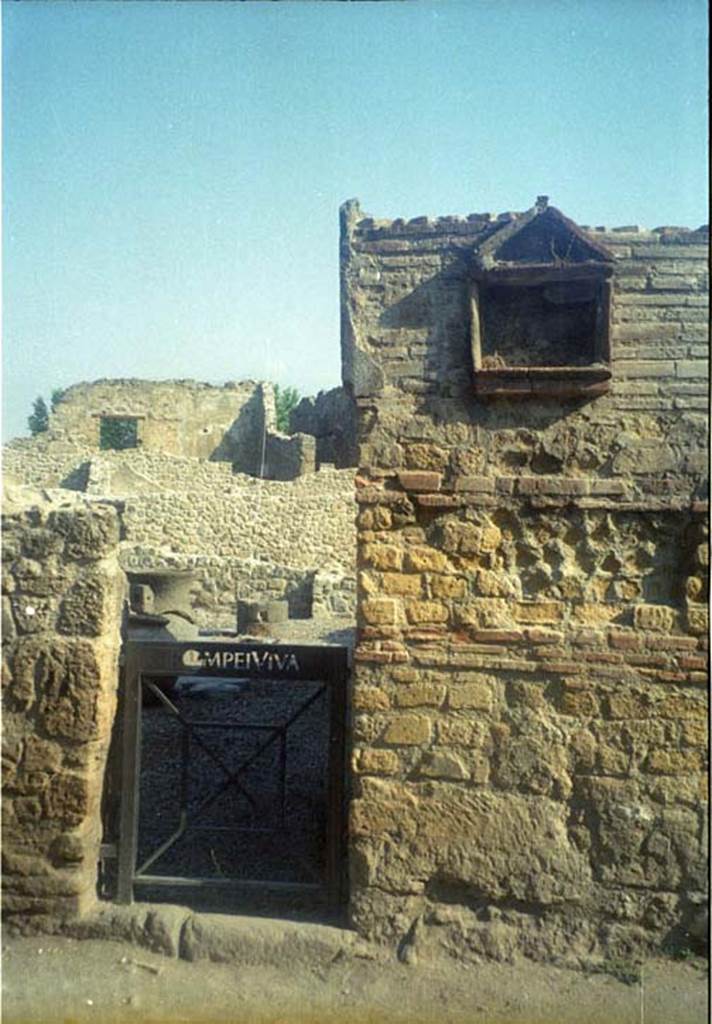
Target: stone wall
(331,418)
(138,472)
(529,701)
(252,539)
(248,538)
(46,461)
(288,456)
(176,417)
(62,601)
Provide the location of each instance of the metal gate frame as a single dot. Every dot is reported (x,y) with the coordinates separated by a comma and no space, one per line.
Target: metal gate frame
(326,665)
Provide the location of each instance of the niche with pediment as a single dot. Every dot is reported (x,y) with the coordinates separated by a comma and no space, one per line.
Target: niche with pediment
(540,310)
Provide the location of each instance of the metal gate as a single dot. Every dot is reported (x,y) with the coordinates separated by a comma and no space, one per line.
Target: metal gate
(232,768)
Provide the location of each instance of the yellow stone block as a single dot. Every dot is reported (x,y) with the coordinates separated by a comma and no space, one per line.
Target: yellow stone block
(425,559)
(378,762)
(654,616)
(401,584)
(495,584)
(382,518)
(418,695)
(379,611)
(698,620)
(695,732)
(675,762)
(405,674)
(383,556)
(370,698)
(443,764)
(368,582)
(447,586)
(408,730)
(615,762)
(477,694)
(592,614)
(543,612)
(426,611)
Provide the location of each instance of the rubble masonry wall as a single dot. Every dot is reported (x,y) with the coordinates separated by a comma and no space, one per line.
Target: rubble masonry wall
(62,606)
(530,692)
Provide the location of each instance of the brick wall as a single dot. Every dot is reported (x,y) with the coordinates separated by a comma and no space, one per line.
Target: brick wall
(530,704)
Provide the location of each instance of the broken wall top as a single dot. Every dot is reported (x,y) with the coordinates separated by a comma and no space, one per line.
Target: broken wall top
(179,417)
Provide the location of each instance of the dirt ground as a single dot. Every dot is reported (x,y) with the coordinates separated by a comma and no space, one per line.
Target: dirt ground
(53,980)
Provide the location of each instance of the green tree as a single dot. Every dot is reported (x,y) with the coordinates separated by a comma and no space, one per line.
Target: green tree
(38,420)
(284,400)
(56,397)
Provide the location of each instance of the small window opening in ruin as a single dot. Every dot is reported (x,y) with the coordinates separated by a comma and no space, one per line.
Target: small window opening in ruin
(118,432)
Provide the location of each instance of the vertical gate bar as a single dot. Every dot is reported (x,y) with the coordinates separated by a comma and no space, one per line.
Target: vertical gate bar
(184,775)
(283,775)
(130,768)
(337,677)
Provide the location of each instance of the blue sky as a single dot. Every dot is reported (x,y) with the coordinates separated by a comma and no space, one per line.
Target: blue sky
(173,171)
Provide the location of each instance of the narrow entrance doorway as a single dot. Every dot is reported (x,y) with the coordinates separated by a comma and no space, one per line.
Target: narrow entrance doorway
(232,772)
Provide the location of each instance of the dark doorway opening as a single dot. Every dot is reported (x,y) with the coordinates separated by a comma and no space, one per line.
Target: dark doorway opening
(230,777)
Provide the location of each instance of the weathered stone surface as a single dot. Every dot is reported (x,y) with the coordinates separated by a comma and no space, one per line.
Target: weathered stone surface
(383,556)
(370,698)
(401,583)
(426,611)
(59,696)
(558,811)
(423,559)
(475,693)
(419,694)
(89,534)
(406,730)
(651,616)
(379,762)
(443,764)
(447,586)
(379,611)
(82,610)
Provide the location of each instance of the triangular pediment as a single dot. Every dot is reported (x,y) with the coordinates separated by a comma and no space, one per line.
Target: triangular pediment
(542,236)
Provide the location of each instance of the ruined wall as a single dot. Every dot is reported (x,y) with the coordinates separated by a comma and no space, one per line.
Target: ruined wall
(248,538)
(45,461)
(288,456)
(176,417)
(530,704)
(61,617)
(331,418)
(252,539)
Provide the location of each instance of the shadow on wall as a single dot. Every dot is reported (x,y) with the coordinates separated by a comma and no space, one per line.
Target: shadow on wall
(441,383)
(78,478)
(330,417)
(243,442)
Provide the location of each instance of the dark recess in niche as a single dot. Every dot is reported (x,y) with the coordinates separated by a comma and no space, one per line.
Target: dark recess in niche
(540,310)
